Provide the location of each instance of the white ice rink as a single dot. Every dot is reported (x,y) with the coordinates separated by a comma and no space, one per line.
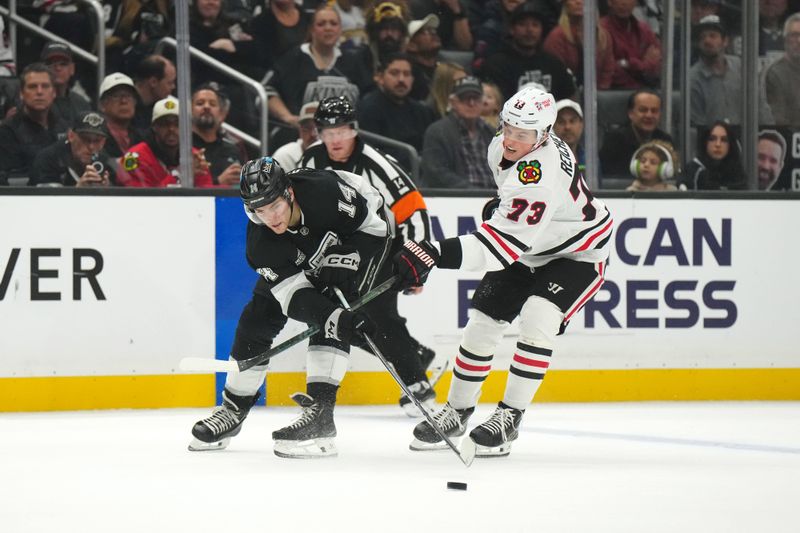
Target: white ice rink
(639,467)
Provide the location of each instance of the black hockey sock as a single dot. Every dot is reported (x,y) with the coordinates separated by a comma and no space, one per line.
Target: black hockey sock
(322,392)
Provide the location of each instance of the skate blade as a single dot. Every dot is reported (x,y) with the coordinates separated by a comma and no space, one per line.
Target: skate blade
(305,449)
(422,446)
(411,411)
(199,446)
(489,451)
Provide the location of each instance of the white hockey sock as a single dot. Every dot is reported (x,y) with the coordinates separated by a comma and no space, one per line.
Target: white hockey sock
(326,364)
(527,371)
(469,373)
(246,383)
(474,359)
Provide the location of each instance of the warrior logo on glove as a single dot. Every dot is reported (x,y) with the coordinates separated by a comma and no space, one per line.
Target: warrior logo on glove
(414,262)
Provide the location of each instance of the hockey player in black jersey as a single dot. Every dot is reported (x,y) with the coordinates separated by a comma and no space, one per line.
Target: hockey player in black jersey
(309,230)
(340,148)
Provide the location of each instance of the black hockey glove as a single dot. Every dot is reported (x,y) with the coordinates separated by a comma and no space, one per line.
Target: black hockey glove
(414,262)
(489,208)
(348,326)
(339,267)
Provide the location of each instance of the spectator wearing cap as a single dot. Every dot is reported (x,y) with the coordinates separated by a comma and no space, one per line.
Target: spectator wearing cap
(716,79)
(783,77)
(637,51)
(521,59)
(391,112)
(79,161)
(565,42)
(569,128)
(423,48)
(34,126)
(70,101)
(454,149)
(289,155)
(387,32)
(154,79)
(454,29)
(223,155)
(154,162)
(117,101)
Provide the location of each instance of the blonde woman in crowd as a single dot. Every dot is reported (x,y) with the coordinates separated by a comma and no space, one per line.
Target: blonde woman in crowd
(445,77)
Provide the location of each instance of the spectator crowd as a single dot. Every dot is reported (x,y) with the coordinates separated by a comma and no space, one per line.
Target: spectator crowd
(426,80)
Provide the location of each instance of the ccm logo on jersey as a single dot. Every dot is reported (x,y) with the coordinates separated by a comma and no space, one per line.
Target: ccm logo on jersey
(268,273)
(529,171)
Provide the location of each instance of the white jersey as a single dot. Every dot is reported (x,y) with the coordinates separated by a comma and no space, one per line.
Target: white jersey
(546,212)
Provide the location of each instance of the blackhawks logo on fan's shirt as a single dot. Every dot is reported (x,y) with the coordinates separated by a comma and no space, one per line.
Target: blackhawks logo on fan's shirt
(529,171)
(130,161)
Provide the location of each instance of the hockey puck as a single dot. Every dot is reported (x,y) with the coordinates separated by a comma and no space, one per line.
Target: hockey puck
(456,485)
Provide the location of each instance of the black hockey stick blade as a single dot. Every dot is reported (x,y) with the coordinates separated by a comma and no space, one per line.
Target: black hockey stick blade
(204,364)
(466,452)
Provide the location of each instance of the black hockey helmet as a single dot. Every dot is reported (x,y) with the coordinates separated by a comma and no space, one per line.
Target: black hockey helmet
(262,181)
(334,111)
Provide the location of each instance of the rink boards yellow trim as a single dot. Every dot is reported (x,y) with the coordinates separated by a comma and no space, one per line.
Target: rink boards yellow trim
(119,392)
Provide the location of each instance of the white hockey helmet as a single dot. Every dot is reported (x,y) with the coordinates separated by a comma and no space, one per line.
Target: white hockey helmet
(531,109)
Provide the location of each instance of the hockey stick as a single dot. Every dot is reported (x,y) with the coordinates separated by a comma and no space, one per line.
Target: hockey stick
(203,364)
(467,451)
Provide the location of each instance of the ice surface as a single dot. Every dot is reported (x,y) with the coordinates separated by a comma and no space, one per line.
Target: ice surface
(638,467)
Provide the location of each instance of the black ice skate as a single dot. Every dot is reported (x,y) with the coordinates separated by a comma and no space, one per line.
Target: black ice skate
(493,438)
(215,432)
(453,423)
(311,434)
(423,392)
(426,355)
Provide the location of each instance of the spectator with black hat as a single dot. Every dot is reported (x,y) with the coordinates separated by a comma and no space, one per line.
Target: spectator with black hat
(79,161)
(454,150)
(70,100)
(521,60)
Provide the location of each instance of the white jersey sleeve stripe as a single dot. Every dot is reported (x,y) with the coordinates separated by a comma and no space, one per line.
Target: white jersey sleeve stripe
(496,241)
(510,239)
(502,261)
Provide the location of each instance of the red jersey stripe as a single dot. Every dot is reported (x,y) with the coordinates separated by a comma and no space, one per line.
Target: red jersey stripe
(591,239)
(500,241)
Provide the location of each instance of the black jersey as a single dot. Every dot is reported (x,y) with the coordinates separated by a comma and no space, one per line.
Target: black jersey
(337,207)
(395,186)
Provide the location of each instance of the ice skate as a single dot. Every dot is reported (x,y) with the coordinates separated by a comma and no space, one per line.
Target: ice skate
(453,422)
(493,438)
(423,392)
(215,432)
(311,434)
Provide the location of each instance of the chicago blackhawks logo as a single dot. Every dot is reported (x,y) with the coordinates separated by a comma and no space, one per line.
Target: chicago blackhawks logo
(130,161)
(529,171)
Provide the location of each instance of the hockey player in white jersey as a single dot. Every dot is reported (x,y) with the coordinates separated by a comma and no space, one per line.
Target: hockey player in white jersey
(544,243)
